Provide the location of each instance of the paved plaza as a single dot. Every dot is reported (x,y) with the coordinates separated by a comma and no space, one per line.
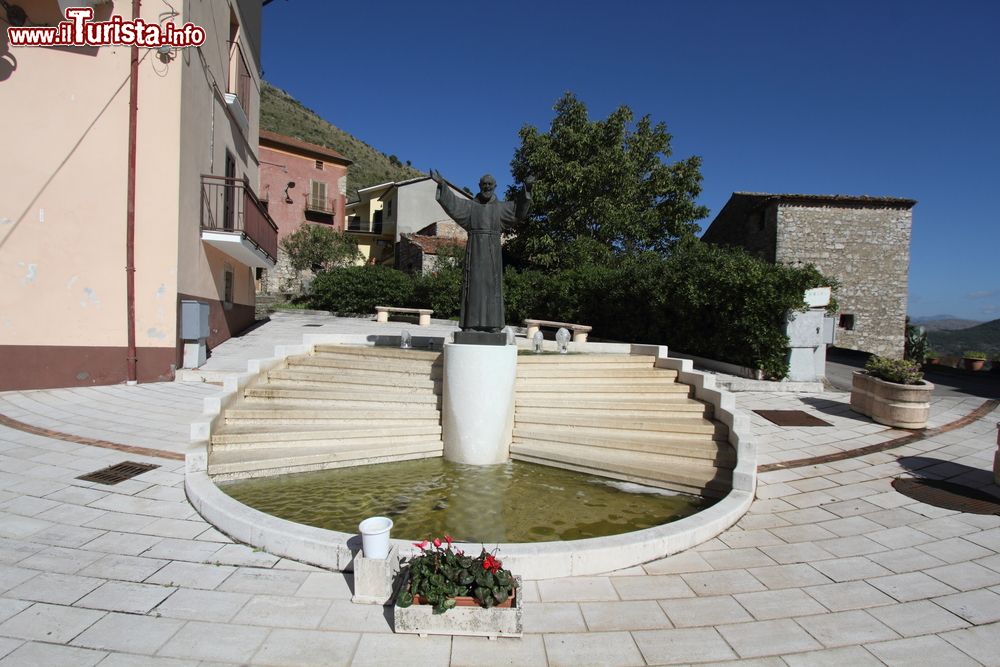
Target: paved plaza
(831,566)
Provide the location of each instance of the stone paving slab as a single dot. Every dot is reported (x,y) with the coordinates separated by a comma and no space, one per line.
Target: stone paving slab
(830,566)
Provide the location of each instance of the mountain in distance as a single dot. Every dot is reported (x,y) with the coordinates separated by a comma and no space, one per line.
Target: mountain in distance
(944,322)
(983,337)
(282,113)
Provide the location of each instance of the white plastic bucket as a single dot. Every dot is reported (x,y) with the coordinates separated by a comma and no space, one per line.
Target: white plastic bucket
(375,536)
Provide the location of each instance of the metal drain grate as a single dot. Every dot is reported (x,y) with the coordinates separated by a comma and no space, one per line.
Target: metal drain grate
(118,472)
(948,495)
(312,325)
(791,418)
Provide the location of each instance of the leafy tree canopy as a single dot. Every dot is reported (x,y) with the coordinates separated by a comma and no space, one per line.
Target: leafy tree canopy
(602,187)
(320,248)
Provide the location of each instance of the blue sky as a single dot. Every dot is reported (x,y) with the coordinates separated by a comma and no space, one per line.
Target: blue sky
(897,98)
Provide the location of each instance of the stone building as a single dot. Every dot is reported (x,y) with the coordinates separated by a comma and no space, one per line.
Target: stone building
(303,184)
(418,253)
(862,242)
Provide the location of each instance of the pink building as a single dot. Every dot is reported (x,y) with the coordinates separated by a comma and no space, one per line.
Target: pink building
(302,183)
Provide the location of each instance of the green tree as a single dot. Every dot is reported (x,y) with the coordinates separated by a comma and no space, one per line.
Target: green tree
(320,248)
(602,188)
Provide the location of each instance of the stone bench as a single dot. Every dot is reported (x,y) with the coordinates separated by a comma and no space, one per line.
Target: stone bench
(382,314)
(579,331)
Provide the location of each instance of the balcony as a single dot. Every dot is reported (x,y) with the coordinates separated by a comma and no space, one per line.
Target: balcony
(323,205)
(235,222)
(359,226)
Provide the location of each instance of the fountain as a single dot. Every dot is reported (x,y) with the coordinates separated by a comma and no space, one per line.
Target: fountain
(478,383)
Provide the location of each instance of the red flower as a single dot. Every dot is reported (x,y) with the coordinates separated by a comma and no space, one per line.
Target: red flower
(447,538)
(420,545)
(437,541)
(492,564)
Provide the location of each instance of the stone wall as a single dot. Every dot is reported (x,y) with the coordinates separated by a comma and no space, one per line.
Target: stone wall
(283,279)
(867,249)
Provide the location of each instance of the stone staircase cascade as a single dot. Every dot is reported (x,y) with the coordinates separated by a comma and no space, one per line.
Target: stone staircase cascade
(339,406)
(618,416)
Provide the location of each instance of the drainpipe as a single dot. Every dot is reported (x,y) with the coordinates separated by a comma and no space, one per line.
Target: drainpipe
(133,113)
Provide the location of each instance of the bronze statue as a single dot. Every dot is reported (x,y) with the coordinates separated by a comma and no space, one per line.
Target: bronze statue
(485,219)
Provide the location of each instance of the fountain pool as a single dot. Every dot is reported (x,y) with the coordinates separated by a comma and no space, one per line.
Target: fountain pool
(508,502)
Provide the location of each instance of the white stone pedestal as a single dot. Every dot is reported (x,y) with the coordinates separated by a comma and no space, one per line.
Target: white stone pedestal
(477,402)
(195,354)
(373,578)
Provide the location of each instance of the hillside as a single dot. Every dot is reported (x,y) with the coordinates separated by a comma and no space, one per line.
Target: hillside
(944,322)
(282,113)
(984,337)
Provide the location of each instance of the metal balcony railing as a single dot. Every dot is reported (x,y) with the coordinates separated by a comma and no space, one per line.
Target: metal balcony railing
(320,204)
(355,224)
(230,205)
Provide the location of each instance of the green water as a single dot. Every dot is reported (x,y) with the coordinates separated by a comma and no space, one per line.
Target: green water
(510,502)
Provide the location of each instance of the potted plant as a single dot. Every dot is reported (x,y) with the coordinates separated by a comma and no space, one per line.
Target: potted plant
(973,360)
(932,356)
(444,591)
(892,392)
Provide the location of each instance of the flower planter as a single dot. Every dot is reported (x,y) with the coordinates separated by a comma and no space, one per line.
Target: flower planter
(973,364)
(897,405)
(472,620)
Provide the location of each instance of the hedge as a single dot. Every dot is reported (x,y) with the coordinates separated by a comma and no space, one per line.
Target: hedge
(710,301)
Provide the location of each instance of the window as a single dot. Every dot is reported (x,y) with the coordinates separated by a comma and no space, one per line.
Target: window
(319,165)
(846,321)
(240,81)
(229,194)
(317,196)
(227,287)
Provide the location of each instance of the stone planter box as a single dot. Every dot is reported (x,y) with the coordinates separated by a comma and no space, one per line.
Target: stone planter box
(897,405)
(420,619)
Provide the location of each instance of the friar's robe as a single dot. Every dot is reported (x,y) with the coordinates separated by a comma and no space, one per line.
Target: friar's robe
(482,285)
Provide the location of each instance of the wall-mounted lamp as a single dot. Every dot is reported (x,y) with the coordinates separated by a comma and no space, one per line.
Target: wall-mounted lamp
(288,197)
(165,53)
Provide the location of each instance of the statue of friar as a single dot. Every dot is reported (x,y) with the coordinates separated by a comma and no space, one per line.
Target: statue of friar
(485,219)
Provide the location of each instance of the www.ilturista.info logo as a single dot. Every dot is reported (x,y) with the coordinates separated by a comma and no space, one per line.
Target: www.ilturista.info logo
(79,30)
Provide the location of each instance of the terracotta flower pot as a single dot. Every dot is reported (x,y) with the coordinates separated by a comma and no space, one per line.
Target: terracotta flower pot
(897,405)
(973,364)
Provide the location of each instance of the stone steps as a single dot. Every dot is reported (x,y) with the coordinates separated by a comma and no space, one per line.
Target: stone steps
(380,353)
(599,425)
(619,416)
(341,406)
(569,401)
(235,464)
(584,360)
(293,394)
(276,412)
(605,385)
(609,394)
(253,435)
(684,407)
(361,365)
(379,382)
(679,473)
(702,449)
(594,371)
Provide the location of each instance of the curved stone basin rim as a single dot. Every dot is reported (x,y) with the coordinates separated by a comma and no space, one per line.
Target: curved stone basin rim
(541,560)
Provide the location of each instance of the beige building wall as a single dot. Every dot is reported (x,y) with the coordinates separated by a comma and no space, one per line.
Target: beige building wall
(63,315)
